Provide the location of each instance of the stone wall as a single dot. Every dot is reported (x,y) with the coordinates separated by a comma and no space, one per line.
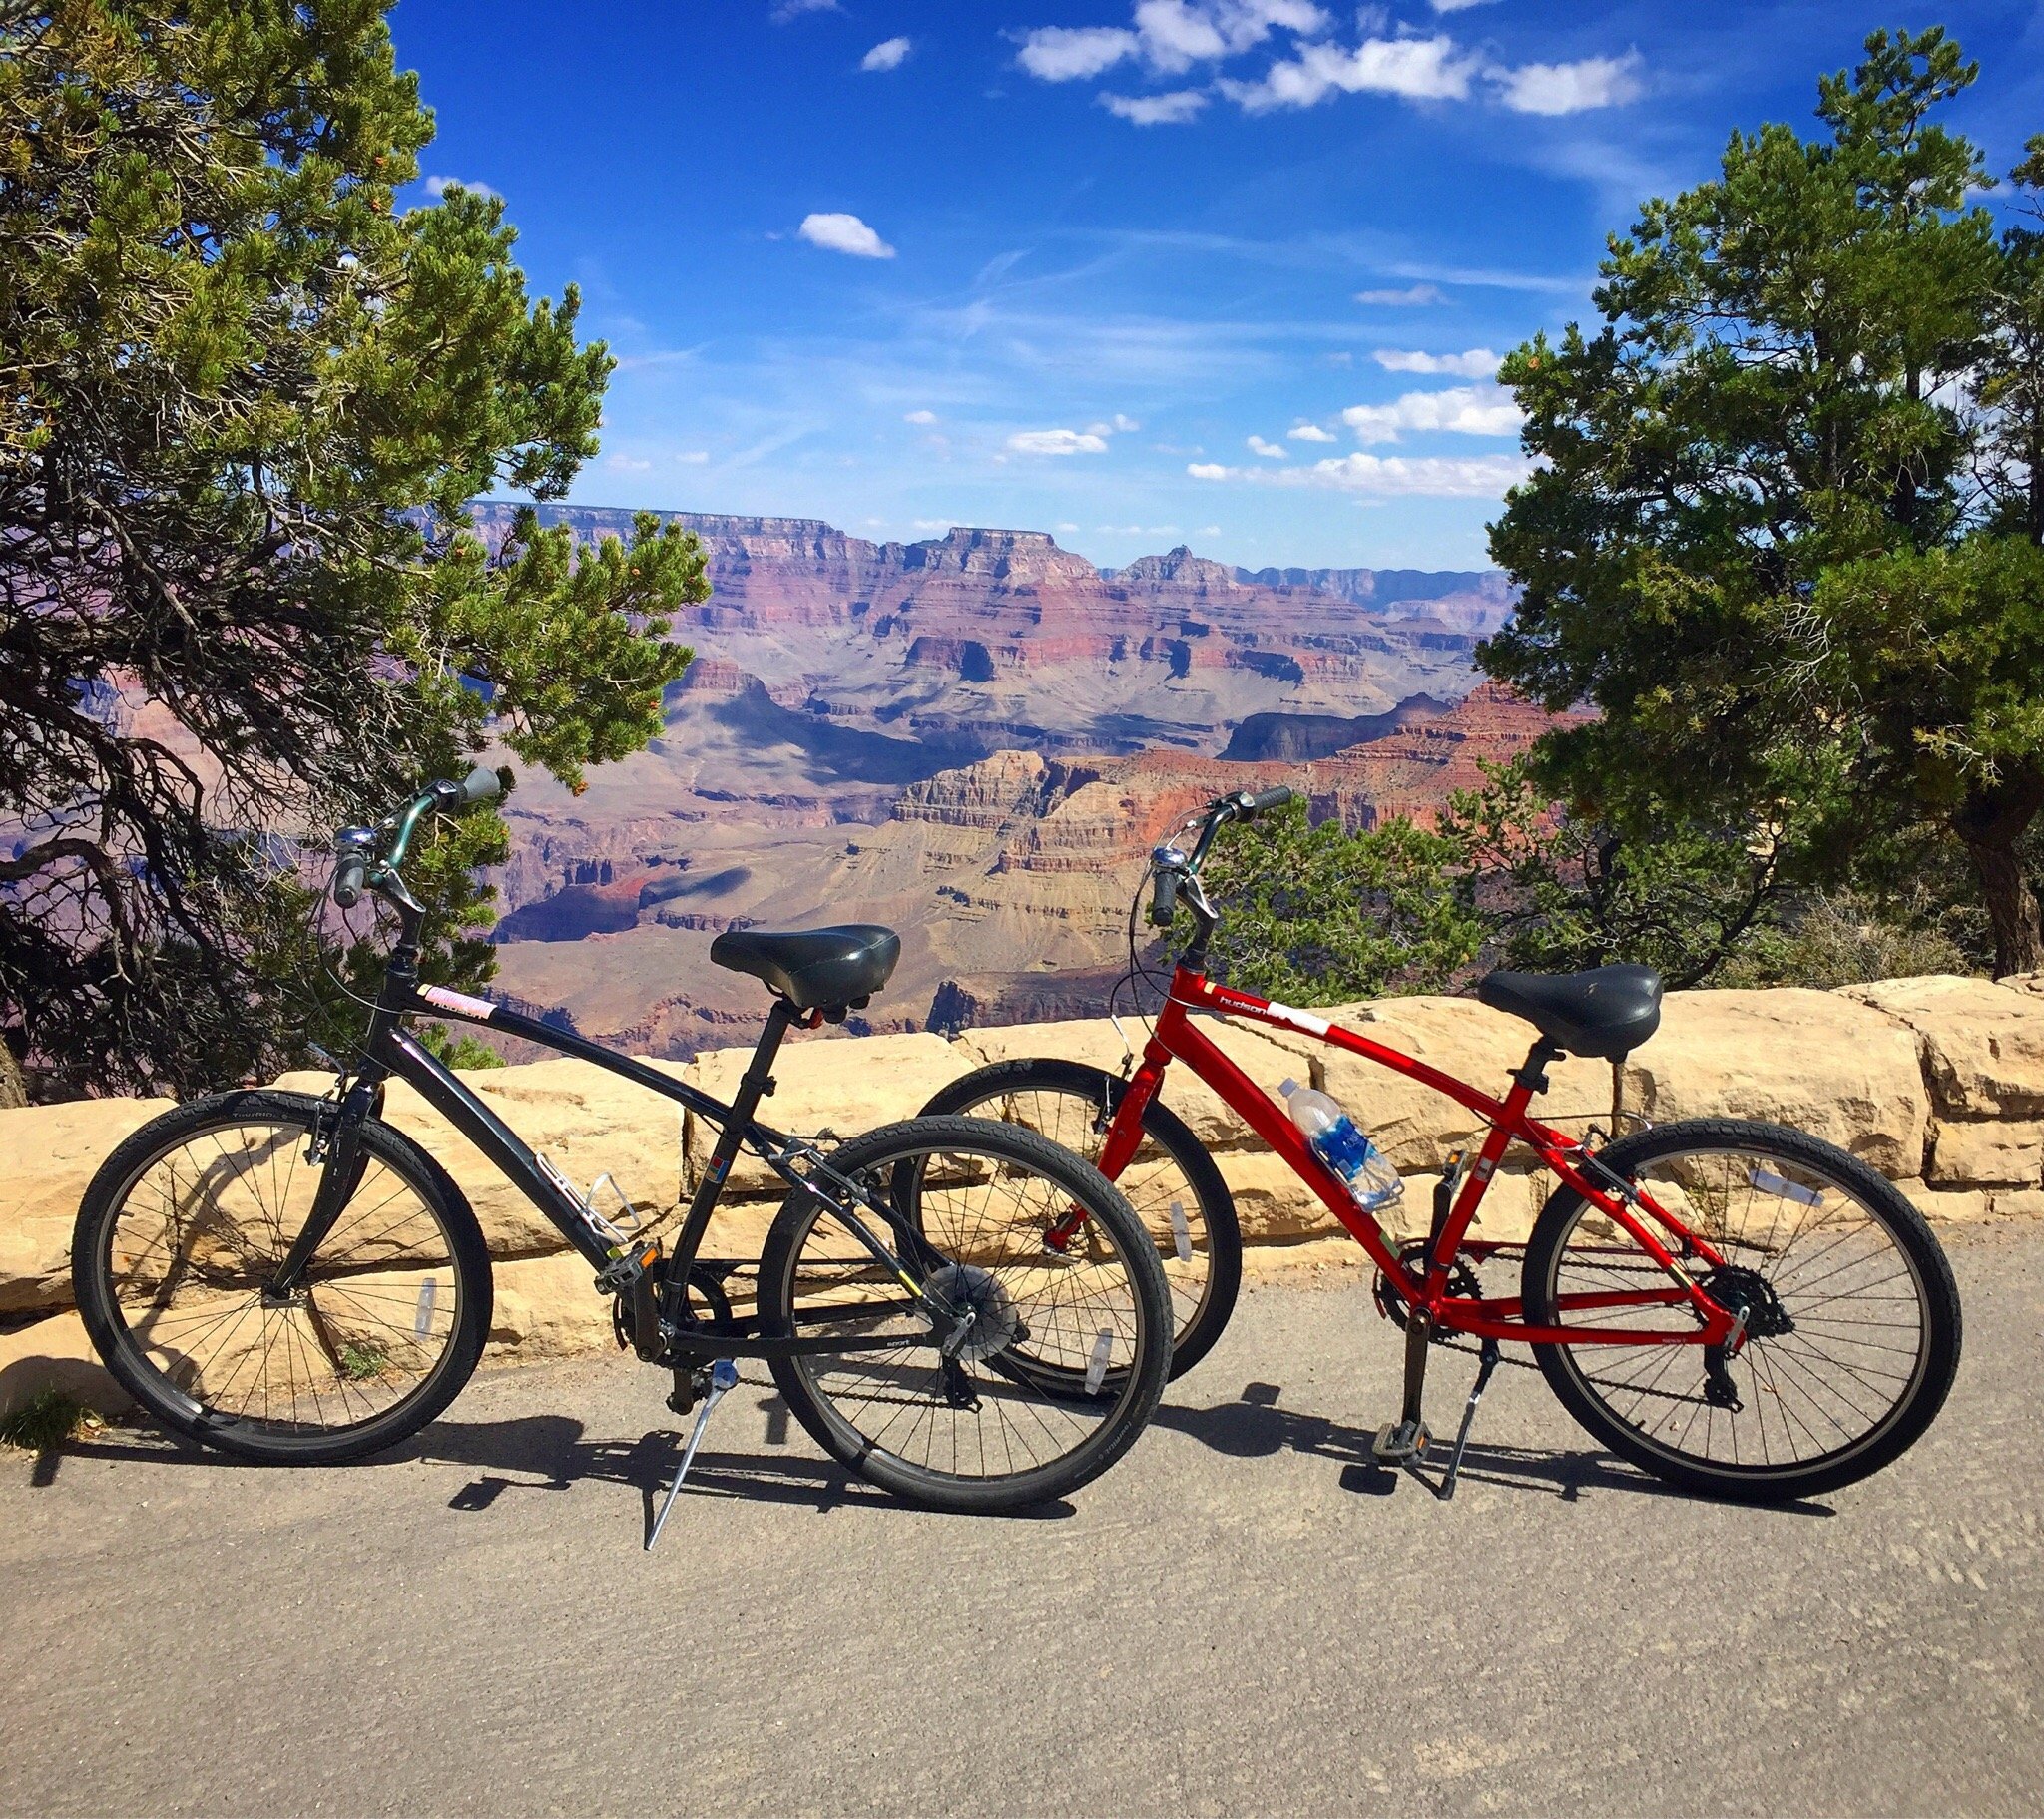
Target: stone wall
(1937,1083)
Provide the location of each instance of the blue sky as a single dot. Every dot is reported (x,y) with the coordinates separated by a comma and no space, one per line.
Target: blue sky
(1225,272)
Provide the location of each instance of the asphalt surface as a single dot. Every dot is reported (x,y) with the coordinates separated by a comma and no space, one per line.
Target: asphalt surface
(1244,1616)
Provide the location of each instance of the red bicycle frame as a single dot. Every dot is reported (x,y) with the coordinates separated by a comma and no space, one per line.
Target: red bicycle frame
(1178,1038)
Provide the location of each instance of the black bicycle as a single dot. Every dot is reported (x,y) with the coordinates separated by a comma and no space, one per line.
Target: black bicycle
(292,1280)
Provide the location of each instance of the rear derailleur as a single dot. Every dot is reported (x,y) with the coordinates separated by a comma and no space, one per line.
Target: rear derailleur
(1756,1313)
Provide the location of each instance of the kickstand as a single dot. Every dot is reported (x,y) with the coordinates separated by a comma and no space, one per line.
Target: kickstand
(1490,1362)
(724,1375)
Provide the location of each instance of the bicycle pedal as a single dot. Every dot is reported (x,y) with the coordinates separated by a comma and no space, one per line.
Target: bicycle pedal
(1400,1441)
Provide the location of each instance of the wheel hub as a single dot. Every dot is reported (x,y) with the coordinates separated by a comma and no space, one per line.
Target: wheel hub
(974,1291)
(1746,1291)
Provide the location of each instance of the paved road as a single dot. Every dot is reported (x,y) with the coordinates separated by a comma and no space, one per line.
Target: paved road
(1244,1616)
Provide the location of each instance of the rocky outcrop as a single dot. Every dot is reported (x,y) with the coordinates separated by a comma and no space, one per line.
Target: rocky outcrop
(1936,1083)
(1299,738)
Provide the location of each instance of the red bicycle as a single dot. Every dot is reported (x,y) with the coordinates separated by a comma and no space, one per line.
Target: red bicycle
(1738,1308)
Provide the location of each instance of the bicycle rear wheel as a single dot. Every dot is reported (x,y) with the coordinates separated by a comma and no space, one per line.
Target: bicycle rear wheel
(1852,1317)
(1170,1181)
(1067,1350)
(187,1224)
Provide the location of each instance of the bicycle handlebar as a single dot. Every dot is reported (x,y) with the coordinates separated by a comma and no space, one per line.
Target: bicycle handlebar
(1162,897)
(352,871)
(348,878)
(1172,870)
(482,784)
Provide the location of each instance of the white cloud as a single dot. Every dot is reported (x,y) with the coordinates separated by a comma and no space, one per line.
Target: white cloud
(627,464)
(1060,53)
(920,416)
(1176,34)
(1209,530)
(1388,476)
(694,457)
(1117,425)
(1458,6)
(1477,364)
(932,524)
(1413,297)
(844,233)
(1169,36)
(1309,432)
(1057,442)
(1171,110)
(1572,88)
(785,10)
(1068,527)
(1268,450)
(437,186)
(888,54)
(1418,68)
(1468,410)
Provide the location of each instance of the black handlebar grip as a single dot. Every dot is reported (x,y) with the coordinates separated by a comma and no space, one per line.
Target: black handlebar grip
(348,878)
(1265,800)
(482,784)
(1163,899)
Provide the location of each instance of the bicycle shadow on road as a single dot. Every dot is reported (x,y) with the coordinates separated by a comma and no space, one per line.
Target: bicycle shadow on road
(554,1452)
(1255,1427)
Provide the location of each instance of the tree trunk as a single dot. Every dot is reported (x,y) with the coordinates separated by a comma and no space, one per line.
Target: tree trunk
(1992,824)
(13,1087)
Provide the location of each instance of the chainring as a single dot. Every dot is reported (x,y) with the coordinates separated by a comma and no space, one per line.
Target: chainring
(1391,1299)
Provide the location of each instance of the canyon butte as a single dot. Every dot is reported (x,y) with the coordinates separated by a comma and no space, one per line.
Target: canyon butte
(974,738)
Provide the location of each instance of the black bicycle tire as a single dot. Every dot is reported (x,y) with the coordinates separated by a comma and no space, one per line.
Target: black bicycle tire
(98,1305)
(1144,1387)
(1905,1424)
(1044,1073)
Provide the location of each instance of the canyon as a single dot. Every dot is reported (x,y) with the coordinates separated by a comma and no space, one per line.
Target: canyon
(976,739)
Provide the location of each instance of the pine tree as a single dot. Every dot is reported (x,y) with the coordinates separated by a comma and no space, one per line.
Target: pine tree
(245,402)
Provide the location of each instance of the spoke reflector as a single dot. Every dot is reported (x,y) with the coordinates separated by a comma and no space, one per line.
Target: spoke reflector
(1096,1366)
(1181,1233)
(1769,1182)
(422,1321)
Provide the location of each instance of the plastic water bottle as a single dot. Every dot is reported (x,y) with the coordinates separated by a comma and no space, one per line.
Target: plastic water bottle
(1344,1145)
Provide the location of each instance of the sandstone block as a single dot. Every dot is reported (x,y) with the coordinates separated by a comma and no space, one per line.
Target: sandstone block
(1816,1061)
(1983,1043)
(548,1308)
(1956,1206)
(55,1354)
(848,1087)
(48,1157)
(1990,1152)
(1272,1204)
(1267,1056)
(2017,1204)
(1415,1126)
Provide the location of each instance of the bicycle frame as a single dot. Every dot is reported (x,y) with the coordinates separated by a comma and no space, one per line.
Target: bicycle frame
(390,1050)
(1177,1037)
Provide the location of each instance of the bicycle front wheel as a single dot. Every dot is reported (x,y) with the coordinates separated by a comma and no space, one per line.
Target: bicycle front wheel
(1171,1181)
(1852,1317)
(1067,1347)
(178,1243)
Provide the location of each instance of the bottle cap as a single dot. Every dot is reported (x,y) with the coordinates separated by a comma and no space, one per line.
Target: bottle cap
(1288,1088)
